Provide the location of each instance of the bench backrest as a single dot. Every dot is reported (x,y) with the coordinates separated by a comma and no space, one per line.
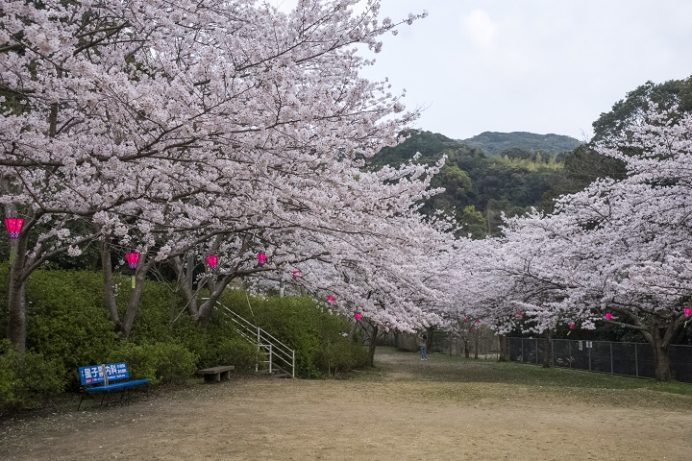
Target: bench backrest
(103,374)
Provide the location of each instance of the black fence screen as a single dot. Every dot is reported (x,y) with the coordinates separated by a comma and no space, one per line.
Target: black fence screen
(635,359)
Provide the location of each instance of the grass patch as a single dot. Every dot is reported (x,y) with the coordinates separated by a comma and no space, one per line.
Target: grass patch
(460,379)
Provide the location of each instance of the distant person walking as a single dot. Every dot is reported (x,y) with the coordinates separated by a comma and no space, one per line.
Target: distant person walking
(423,346)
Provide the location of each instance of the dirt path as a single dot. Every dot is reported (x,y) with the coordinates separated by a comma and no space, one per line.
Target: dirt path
(407,410)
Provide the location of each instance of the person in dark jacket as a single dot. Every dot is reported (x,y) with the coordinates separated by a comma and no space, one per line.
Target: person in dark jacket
(423,346)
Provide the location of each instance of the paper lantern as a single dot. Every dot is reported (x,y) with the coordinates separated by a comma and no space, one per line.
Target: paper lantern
(357,316)
(212,261)
(608,316)
(572,325)
(520,314)
(14,227)
(132,259)
(687,312)
(295,273)
(261,258)
(331,299)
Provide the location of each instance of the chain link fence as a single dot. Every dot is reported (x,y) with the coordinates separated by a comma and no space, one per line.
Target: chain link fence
(480,342)
(635,359)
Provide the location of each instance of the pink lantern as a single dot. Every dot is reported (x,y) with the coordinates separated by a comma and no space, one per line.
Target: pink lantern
(212,261)
(572,325)
(295,273)
(608,316)
(331,299)
(261,258)
(687,312)
(132,259)
(357,315)
(520,314)
(14,227)
(478,322)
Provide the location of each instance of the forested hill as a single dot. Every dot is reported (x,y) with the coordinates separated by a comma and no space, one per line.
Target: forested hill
(495,143)
(517,145)
(511,172)
(479,186)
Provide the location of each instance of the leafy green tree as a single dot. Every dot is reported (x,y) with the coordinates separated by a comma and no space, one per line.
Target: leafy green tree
(639,100)
(473,222)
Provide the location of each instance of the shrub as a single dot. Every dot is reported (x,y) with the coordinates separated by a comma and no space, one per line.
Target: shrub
(160,362)
(335,357)
(316,334)
(68,327)
(66,320)
(174,363)
(26,382)
(157,308)
(237,352)
(340,354)
(140,362)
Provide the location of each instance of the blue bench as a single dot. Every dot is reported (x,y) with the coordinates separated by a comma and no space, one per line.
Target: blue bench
(106,378)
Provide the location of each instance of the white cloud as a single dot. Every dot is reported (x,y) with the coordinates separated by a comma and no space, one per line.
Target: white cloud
(480,28)
(530,65)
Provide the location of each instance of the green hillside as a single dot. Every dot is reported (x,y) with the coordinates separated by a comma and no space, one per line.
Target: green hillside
(479,187)
(494,173)
(495,143)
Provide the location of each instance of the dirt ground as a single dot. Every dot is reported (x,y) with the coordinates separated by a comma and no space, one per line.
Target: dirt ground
(396,413)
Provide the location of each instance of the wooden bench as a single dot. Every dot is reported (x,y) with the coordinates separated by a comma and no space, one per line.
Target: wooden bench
(106,378)
(215,374)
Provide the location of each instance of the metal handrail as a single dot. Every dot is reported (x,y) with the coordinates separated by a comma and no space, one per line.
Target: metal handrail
(275,339)
(263,339)
(250,330)
(253,326)
(284,354)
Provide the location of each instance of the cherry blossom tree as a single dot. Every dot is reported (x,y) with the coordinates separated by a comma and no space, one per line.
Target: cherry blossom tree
(159,125)
(372,254)
(616,252)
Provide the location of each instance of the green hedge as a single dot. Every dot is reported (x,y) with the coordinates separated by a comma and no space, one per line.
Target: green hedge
(322,340)
(68,327)
(27,382)
(66,320)
(160,362)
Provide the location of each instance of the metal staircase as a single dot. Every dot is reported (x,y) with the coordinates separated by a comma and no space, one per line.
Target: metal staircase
(280,360)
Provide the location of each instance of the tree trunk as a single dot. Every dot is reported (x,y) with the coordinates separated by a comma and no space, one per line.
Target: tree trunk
(429,339)
(207,307)
(476,343)
(660,343)
(466,348)
(548,349)
(16,299)
(663,371)
(372,345)
(184,271)
(660,348)
(16,319)
(659,332)
(504,349)
(108,288)
(133,302)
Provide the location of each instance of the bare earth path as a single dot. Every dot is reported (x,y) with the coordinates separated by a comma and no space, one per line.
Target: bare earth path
(442,409)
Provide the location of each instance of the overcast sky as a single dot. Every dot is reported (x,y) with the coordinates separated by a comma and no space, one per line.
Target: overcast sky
(545,66)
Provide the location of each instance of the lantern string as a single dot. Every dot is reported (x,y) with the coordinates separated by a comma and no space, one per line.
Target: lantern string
(249,305)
